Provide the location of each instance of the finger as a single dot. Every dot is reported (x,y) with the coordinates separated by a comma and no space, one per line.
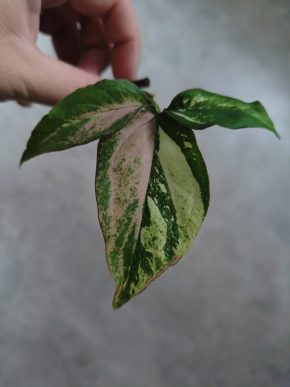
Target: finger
(95,51)
(61,24)
(121,30)
(93,8)
(50,22)
(53,20)
(67,43)
(53,3)
(24,103)
(48,81)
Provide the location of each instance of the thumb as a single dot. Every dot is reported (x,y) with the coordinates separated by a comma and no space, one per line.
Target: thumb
(48,80)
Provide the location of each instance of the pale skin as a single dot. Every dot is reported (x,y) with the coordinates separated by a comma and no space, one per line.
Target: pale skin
(88,35)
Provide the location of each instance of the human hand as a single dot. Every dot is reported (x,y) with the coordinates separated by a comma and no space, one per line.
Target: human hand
(87,35)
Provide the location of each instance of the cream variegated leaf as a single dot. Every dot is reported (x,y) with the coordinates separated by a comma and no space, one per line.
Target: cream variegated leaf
(152,187)
(152,193)
(86,115)
(123,169)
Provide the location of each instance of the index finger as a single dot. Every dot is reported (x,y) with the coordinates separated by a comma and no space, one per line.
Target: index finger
(121,31)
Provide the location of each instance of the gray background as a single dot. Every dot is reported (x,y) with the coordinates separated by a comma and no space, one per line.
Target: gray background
(221,317)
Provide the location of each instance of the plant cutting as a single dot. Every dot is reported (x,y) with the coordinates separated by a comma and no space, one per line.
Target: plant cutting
(152,186)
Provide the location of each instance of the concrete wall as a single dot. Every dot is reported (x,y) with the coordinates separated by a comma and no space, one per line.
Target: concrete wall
(221,317)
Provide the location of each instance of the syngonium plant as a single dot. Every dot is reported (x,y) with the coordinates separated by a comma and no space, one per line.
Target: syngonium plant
(152,186)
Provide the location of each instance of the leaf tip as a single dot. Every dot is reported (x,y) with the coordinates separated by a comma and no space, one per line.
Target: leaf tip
(22,160)
(25,157)
(120,298)
(267,123)
(271,128)
(118,302)
(276,133)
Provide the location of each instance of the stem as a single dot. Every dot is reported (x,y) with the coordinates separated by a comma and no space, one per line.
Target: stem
(145,82)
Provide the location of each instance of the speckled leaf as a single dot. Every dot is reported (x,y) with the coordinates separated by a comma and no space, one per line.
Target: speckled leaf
(200,109)
(152,187)
(152,192)
(86,115)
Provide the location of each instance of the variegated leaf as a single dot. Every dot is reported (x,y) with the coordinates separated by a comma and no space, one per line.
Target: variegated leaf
(86,115)
(200,109)
(152,186)
(152,192)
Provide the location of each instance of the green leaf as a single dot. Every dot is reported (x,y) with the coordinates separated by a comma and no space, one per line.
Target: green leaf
(86,115)
(200,109)
(152,193)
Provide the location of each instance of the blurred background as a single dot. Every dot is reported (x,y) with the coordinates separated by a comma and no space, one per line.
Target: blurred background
(221,317)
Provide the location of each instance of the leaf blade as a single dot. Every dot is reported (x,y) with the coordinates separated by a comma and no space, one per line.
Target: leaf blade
(86,115)
(121,188)
(200,109)
(166,230)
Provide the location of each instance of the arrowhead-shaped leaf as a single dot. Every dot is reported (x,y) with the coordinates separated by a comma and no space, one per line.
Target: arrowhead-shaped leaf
(86,115)
(152,192)
(152,186)
(200,109)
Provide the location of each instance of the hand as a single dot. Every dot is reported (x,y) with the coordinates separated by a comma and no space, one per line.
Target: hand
(87,35)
